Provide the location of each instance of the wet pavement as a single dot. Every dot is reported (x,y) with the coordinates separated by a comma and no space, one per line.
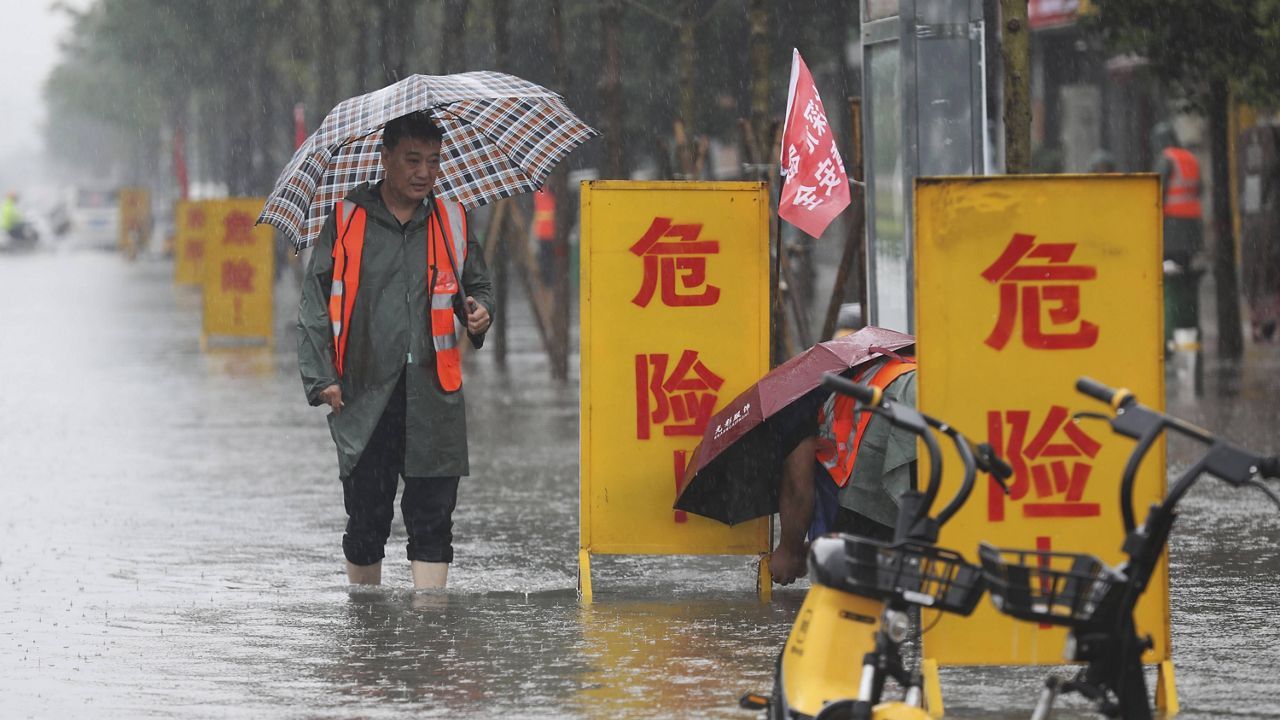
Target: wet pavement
(172,523)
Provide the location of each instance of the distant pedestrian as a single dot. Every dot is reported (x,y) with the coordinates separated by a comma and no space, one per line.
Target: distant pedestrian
(544,230)
(1183,229)
(1180,181)
(11,220)
(392,268)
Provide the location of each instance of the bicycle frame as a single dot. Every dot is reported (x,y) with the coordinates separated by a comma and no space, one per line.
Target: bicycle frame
(1109,641)
(846,621)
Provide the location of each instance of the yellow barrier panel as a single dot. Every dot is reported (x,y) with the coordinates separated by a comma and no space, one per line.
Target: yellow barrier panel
(1023,284)
(675,323)
(135,219)
(192,237)
(239,271)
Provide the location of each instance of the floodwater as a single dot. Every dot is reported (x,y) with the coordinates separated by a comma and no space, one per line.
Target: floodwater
(172,520)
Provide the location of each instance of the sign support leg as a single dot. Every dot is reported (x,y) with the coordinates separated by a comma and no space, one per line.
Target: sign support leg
(932,688)
(584,575)
(1166,689)
(764,579)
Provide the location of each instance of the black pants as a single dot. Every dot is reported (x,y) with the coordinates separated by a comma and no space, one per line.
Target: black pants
(369,495)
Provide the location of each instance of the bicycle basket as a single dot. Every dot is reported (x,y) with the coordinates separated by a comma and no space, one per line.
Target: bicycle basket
(912,573)
(1040,586)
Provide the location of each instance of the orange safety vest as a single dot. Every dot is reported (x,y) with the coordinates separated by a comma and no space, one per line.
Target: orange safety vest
(544,215)
(1182,189)
(837,455)
(446,250)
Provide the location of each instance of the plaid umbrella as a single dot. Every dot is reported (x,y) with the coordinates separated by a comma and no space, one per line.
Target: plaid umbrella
(502,136)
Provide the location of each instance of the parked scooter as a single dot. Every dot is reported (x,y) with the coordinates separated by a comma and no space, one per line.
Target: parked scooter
(847,636)
(1097,601)
(22,237)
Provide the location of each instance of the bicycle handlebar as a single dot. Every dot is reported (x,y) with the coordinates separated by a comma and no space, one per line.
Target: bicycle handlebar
(974,457)
(862,393)
(1096,390)
(1270,467)
(1232,464)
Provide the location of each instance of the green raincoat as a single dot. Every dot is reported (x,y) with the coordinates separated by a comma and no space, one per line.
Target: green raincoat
(390,332)
(882,470)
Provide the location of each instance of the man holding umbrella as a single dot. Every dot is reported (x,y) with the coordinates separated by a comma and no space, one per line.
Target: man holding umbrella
(392,268)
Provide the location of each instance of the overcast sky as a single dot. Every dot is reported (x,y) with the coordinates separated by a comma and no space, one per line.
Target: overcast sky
(28,51)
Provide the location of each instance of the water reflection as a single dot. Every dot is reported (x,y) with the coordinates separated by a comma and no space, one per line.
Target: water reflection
(172,522)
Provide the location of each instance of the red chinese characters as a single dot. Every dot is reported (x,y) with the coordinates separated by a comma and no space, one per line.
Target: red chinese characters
(675,260)
(1051,465)
(681,400)
(237,276)
(1036,280)
(815,185)
(238,229)
(196,220)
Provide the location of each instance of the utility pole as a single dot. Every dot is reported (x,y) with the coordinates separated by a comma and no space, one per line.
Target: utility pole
(1015,52)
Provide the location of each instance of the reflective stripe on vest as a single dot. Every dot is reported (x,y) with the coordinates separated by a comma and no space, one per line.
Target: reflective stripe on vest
(348,246)
(842,433)
(1182,189)
(445,250)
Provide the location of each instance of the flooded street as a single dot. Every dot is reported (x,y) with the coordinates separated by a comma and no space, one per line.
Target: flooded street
(172,523)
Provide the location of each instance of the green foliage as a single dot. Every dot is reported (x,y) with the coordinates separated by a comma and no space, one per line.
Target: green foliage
(230,71)
(1193,43)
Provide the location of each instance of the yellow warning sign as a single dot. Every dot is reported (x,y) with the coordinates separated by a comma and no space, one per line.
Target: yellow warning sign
(192,236)
(135,219)
(1024,284)
(238,270)
(675,324)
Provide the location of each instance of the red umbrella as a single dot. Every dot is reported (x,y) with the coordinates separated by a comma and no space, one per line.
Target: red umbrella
(733,476)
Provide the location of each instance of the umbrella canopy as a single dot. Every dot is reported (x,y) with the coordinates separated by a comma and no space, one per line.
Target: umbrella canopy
(733,476)
(502,136)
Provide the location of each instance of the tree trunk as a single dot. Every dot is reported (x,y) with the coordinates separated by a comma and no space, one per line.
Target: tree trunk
(453,37)
(559,182)
(393,30)
(611,90)
(1015,54)
(758,50)
(686,136)
(1230,334)
(501,261)
(688,57)
(501,10)
(854,260)
(362,30)
(328,59)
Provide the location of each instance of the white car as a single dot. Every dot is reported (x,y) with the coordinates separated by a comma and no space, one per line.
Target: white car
(93,218)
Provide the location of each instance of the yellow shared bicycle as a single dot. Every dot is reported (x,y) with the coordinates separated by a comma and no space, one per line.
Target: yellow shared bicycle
(846,640)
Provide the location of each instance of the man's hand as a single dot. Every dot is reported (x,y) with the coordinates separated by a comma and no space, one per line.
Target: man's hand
(786,564)
(332,396)
(477,317)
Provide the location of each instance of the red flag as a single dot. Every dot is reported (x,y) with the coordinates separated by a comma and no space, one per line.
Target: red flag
(815,186)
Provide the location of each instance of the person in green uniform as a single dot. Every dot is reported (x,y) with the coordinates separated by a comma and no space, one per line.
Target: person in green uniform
(810,503)
(377,345)
(11,221)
